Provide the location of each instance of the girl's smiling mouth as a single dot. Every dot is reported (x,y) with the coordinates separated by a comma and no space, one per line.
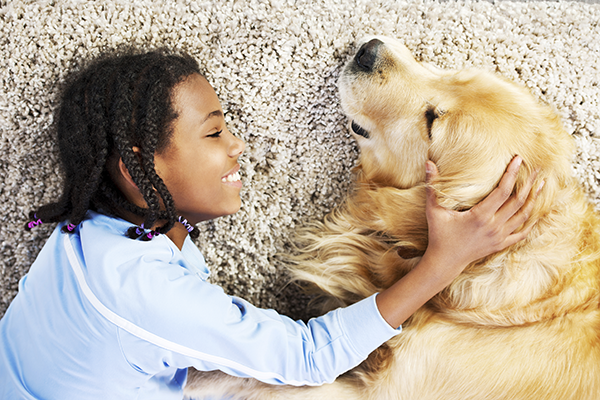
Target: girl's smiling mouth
(233,177)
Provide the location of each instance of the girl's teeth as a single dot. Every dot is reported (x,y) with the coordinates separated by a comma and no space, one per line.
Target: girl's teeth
(231,178)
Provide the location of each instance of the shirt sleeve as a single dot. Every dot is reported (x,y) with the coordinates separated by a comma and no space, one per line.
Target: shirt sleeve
(189,322)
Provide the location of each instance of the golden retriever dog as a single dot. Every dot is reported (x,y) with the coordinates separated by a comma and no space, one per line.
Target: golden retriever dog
(521,324)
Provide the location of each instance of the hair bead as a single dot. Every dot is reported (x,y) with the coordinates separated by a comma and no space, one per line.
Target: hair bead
(185,223)
(36,221)
(149,236)
(139,230)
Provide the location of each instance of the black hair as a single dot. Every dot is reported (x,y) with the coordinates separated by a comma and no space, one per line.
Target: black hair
(120,100)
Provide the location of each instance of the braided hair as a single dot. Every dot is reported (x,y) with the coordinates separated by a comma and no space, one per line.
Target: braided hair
(119,101)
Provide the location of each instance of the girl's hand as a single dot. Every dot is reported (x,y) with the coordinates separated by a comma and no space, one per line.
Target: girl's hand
(458,238)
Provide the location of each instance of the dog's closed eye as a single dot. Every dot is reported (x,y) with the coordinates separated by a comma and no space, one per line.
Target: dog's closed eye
(359,130)
(430,116)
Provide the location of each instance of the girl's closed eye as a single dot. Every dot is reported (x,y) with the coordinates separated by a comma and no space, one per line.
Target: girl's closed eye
(216,134)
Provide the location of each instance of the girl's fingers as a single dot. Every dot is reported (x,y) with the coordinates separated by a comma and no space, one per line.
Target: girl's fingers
(501,208)
(498,197)
(431,174)
(521,216)
(486,228)
(517,237)
(518,201)
(431,171)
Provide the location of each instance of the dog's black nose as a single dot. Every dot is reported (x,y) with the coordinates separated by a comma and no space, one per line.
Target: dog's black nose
(367,54)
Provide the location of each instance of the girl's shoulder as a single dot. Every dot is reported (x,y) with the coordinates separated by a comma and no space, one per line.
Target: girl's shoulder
(109,233)
(105,249)
(115,266)
(104,237)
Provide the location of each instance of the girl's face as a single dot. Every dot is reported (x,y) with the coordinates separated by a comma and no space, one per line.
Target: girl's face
(199,166)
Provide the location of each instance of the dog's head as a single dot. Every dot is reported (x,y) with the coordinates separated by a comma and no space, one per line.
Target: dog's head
(471,123)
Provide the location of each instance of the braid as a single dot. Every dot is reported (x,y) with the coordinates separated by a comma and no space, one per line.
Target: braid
(148,125)
(118,102)
(96,155)
(81,171)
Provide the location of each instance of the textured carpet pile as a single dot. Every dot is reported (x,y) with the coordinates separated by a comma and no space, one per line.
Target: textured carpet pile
(274,66)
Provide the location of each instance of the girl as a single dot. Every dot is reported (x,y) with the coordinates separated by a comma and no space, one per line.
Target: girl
(116,306)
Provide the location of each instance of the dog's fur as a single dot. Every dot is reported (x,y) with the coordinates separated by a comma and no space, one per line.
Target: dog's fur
(523,323)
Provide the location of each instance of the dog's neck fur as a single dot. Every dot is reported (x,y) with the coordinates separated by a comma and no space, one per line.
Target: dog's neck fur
(526,277)
(531,279)
(376,221)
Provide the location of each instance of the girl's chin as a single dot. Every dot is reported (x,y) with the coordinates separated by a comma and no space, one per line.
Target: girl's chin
(230,211)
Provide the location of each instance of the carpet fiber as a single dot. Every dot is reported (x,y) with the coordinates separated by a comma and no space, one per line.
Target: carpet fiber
(274,66)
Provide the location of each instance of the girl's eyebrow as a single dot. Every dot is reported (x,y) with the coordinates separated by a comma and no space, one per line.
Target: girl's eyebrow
(216,113)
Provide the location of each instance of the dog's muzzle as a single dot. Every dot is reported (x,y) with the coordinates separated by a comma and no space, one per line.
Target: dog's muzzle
(367,54)
(364,61)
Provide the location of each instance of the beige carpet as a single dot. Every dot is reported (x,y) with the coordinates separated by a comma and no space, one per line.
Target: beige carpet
(274,65)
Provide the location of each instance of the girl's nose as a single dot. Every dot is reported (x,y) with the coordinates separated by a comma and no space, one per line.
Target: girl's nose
(237,147)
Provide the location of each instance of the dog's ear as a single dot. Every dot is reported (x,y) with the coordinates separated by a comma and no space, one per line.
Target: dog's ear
(469,159)
(487,122)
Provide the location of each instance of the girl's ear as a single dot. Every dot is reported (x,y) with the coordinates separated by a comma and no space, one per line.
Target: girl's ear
(124,172)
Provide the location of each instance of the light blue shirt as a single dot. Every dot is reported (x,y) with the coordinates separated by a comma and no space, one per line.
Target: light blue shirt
(102,316)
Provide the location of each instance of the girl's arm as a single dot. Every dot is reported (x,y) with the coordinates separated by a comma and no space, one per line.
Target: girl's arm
(458,238)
